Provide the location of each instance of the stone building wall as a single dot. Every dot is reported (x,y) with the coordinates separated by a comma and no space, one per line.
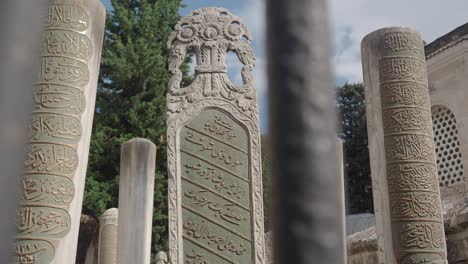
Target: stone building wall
(447,67)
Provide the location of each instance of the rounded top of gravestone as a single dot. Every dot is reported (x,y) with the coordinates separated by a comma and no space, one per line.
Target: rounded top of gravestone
(210,34)
(140,142)
(113,212)
(161,256)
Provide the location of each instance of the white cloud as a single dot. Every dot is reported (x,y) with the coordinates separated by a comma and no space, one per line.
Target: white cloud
(353,19)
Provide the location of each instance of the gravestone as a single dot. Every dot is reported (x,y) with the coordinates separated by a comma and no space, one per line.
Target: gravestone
(136,193)
(108,232)
(404,172)
(51,192)
(161,257)
(215,183)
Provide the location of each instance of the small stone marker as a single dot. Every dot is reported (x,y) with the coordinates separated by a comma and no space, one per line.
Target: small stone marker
(108,232)
(51,193)
(161,257)
(402,148)
(136,192)
(215,183)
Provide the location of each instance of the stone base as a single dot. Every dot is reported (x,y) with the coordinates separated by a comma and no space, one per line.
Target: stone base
(456,230)
(362,247)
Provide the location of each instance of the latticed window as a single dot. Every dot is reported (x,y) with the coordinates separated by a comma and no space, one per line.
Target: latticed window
(449,159)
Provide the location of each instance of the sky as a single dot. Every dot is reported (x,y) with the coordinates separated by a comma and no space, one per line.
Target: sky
(350,22)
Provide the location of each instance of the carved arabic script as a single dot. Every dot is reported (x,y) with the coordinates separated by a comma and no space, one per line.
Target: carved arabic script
(227,212)
(223,243)
(195,258)
(42,222)
(210,147)
(217,178)
(220,127)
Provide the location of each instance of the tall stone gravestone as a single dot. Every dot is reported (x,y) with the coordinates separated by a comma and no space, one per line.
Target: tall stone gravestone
(51,192)
(401,145)
(215,183)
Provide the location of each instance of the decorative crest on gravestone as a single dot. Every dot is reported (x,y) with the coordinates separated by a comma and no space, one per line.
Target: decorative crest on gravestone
(215,183)
(209,34)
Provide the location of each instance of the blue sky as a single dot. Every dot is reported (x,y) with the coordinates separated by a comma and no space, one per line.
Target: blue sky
(350,21)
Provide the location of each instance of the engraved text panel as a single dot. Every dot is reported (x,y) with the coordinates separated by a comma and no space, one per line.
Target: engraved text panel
(216,202)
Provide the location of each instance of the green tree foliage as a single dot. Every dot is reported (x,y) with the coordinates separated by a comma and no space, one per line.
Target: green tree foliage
(131,102)
(352,111)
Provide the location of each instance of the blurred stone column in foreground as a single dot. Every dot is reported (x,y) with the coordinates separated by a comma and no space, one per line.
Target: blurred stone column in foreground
(20,26)
(137,169)
(402,147)
(108,232)
(51,194)
(340,165)
(307,206)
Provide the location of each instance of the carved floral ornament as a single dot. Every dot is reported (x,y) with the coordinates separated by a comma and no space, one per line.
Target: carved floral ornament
(210,33)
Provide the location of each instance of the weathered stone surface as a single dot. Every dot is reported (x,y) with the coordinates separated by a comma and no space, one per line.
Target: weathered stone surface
(402,148)
(51,192)
(136,192)
(215,188)
(108,232)
(362,247)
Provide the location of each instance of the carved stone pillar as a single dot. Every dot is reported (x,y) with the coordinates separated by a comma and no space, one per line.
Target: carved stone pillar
(51,193)
(402,146)
(108,232)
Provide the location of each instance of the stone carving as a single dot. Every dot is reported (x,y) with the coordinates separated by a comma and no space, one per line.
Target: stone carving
(213,145)
(211,35)
(51,96)
(66,16)
(33,251)
(56,130)
(414,197)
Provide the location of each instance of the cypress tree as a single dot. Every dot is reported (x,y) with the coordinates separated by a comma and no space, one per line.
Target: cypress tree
(352,109)
(131,102)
